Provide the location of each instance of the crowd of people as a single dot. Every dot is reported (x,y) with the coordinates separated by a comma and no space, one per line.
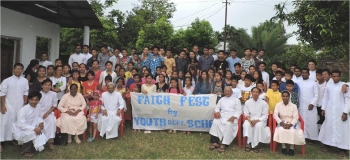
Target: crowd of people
(95,86)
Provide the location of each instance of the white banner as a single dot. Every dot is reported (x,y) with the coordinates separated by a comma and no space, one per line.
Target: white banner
(163,111)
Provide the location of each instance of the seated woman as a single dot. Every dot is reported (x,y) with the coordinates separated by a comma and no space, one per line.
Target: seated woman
(72,120)
(286,115)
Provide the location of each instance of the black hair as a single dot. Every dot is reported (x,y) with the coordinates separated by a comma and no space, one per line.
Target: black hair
(289,72)
(319,71)
(252,66)
(298,68)
(205,47)
(264,63)
(72,85)
(262,83)
(336,71)
(305,69)
(47,80)
(233,50)
(254,49)
(293,65)
(108,77)
(289,82)
(201,80)
(221,51)
(235,78)
(91,73)
(95,61)
(177,86)
(75,63)
(58,60)
(327,70)
(274,81)
(131,63)
(313,61)
(122,69)
(262,50)
(77,45)
(275,63)
(42,68)
(51,66)
(122,80)
(249,77)
(86,46)
(149,75)
(137,75)
(285,92)
(18,64)
(247,49)
(260,79)
(109,63)
(68,67)
(237,64)
(256,88)
(279,72)
(94,49)
(118,65)
(104,46)
(154,47)
(32,63)
(83,64)
(136,69)
(43,53)
(34,94)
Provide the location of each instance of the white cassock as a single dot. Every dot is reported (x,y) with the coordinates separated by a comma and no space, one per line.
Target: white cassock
(335,132)
(28,119)
(79,58)
(222,128)
(308,94)
(312,75)
(14,88)
(266,78)
(109,124)
(48,100)
(256,110)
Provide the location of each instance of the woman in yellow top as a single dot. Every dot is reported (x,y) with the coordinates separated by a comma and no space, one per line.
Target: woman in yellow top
(273,96)
(121,87)
(74,80)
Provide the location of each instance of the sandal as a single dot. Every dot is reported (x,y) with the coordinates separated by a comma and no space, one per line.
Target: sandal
(27,154)
(247,149)
(256,150)
(221,149)
(213,146)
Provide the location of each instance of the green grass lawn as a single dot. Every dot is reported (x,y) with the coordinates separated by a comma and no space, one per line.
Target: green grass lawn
(137,145)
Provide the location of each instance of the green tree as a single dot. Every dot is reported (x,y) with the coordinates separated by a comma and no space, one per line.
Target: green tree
(238,39)
(268,36)
(158,33)
(280,15)
(200,33)
(147,13)
(297,54)
(177,41)
(322,23)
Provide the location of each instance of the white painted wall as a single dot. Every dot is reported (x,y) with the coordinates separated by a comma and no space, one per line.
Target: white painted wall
(27,28)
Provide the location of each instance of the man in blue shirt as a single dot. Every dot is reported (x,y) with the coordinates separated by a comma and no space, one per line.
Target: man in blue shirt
(232,60)
(154,61)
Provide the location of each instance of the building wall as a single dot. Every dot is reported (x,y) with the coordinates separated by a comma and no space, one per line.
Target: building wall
(27,28)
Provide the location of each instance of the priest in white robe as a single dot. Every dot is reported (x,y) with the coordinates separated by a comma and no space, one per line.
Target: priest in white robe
(308,96)
(254,127)
(335,129)
(14,92)
(48,104)
(112,104)
(27,130)
(225,124)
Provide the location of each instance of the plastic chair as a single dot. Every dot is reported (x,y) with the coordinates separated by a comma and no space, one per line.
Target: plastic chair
(269,121)
(239,132)
(301,127)
(121,127)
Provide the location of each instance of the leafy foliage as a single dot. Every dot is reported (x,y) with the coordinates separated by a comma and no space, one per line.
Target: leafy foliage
(158,33)
(238,39)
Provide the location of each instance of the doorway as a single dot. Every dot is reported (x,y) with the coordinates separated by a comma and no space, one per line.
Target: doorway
(10,54)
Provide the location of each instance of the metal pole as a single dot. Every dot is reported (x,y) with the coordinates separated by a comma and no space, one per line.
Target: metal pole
(225,34)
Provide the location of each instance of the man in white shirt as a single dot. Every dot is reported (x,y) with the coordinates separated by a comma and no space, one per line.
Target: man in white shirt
(321,85)
(225,126)
(254,127)
(48,103)
(86,50)
(335,106)
(14,94)
(312,67)
(44,62)
(115,59)
(76,57)
(308,96)
(27,130)
(212,53)
(265,75)
(297,75)
(112,105)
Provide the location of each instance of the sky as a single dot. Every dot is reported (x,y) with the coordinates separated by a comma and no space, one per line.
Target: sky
(240,13)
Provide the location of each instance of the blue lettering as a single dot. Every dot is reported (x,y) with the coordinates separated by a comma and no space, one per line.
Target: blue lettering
(158,99)
(149,121)
(136,119)
(143,121)
(205,101)
(162,122)
(197,123)
(139,98)
(155,121)
(190,101)
(166,100)
(182,100)
(190,123)
(146,100)
(198,100)
(152,100)
(210,123)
